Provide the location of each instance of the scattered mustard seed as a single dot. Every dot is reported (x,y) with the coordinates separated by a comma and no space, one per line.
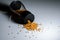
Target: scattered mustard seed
(20,30)
(29,37)
(31,26)
(9,26)
(25,35)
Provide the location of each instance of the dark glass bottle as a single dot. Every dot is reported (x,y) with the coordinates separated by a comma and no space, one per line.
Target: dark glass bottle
(19,17)
(23,16)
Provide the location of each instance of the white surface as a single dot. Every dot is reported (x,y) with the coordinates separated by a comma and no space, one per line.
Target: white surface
(47,13)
